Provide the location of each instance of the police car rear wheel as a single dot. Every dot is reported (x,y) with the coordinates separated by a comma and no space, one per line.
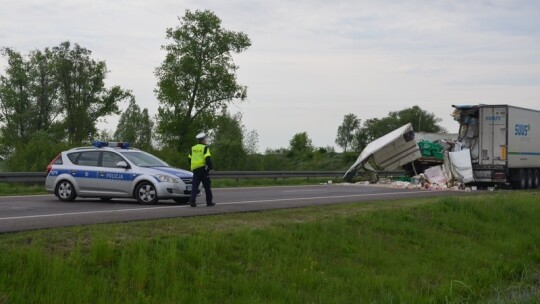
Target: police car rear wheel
(145,193)
(65,191)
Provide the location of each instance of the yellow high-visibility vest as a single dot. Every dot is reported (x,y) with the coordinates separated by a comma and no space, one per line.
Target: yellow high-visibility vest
(198,156)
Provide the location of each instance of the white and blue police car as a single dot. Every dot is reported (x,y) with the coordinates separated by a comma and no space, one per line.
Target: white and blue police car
(114,170)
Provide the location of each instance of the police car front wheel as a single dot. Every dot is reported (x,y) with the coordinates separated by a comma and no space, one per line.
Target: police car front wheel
(146,193)
(65,191)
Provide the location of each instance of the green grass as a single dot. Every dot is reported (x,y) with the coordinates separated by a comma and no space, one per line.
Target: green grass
(20,189)
(463,249)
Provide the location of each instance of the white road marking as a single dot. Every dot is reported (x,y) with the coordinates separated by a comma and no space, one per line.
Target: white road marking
(218,204)
(296,191)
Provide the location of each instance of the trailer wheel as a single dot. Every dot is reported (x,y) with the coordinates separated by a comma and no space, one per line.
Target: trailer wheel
(522,179)
(536,178)
(530,178)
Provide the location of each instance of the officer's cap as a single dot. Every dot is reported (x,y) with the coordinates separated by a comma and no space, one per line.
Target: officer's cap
(200,136)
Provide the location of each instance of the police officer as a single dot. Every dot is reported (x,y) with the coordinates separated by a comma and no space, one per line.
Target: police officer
(201,164)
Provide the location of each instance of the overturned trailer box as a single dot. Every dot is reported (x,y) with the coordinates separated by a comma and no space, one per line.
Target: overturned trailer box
(389,152)
(504,143)
(400,149)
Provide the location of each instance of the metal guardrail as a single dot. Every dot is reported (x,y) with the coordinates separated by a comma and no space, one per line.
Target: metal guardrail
(274,174)
(23,177)
(39,177)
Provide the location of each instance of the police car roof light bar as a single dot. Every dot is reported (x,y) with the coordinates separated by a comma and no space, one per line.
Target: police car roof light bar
(101,144)
(122,145)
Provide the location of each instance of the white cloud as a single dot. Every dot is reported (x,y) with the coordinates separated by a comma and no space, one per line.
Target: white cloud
(312,61)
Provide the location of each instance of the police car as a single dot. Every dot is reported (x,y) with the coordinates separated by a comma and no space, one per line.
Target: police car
(114,170)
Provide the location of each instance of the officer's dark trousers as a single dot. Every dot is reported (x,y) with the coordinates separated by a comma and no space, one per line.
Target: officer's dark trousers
(200,175)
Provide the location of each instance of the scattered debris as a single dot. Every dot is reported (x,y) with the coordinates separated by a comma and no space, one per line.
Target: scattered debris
(433,161)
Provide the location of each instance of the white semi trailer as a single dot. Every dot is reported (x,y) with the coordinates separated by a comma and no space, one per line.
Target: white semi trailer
(504,142)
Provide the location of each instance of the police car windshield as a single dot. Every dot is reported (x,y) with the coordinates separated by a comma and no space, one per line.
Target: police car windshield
(142,159)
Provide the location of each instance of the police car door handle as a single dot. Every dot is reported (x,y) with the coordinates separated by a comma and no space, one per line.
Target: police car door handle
(73,172)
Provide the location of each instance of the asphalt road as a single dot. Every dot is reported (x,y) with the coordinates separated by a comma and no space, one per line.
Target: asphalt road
(19,213)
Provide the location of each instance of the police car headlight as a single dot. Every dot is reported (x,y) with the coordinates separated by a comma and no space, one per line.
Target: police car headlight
(167,179)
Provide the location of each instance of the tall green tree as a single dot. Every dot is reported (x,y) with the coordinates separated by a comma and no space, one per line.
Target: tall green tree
(251,142)
(421,120)
(135,126)
(345,132)
(374,128)
(300,143)
(27,97)
(53,95)
(197,79)
(44,90)
(82,94)
(15,102)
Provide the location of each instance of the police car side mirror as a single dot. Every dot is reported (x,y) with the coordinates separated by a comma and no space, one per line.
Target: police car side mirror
(122,164)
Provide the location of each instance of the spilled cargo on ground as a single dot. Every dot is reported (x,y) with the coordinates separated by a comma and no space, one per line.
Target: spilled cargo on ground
(495,145)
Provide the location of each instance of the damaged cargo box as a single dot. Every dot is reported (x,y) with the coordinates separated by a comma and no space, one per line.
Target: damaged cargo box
(399,149)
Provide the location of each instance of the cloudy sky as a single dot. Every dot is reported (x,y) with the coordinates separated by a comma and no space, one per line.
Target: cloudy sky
(312,61)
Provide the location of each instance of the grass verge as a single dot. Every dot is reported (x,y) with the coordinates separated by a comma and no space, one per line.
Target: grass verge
(466,249)
(22,189)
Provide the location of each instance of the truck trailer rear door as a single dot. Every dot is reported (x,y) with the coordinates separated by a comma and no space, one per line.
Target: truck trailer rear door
(493,128)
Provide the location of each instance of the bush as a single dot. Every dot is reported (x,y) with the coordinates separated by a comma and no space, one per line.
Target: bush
(172,157)
(36,155)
